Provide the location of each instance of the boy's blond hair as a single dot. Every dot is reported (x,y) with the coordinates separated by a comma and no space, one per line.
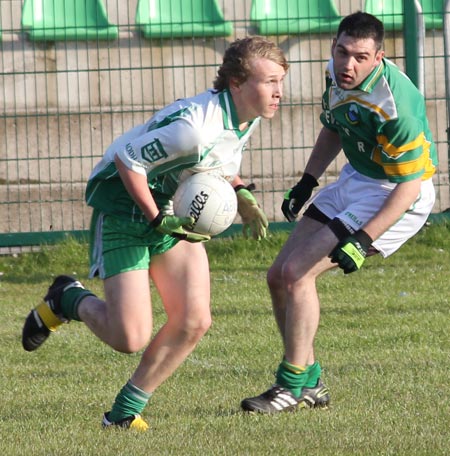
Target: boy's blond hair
(236,60)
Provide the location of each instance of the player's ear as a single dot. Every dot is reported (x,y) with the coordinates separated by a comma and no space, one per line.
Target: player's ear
(234,85)
(333,45)
(379,55)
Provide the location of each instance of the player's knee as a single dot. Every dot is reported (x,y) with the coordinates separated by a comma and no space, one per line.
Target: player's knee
(131,342)
(193,329)
(273,278)
(292,275)
(200,326)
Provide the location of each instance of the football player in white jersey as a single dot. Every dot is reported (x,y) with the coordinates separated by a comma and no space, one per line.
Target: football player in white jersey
(134,236)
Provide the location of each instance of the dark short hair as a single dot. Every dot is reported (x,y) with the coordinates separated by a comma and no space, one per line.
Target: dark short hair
(362,25)
(236,60)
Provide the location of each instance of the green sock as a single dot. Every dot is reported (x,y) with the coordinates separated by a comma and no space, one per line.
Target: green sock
(70,300)
(314,371)
(131,400)
(292,377)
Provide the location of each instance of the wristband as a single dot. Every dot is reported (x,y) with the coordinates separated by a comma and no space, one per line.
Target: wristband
(363,238)
(249,187)
(309,180)
(157,220)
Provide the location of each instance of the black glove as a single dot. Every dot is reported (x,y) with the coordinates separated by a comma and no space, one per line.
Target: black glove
(351,252)
(296,197)
(174,226)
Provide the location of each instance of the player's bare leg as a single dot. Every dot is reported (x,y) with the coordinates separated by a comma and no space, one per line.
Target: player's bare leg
(185,293)
(292,284)
(124,321)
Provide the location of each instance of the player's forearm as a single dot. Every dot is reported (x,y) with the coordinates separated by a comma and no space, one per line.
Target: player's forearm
(237,182)
(137,187)
(398,202)
(326,148)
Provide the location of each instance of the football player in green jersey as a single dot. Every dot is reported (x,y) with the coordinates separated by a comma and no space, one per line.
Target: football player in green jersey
(383,196)
(135,236)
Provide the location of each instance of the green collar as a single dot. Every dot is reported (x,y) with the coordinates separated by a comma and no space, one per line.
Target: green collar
(230,117)
(371,81)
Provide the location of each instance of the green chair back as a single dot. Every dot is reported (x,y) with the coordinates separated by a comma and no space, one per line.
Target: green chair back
(391,13)
(181,19)
(285,17)
(433,11)
(62,20)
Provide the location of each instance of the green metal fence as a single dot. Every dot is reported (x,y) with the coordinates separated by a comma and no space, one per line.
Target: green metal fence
(73,81)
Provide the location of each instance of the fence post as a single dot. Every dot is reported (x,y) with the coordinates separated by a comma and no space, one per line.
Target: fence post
(447,72)
(414,39)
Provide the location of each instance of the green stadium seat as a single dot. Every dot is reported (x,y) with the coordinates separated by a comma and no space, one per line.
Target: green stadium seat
(293,17)
(433,11)
(64,20)
(391,13)
(181,19)
(388,11)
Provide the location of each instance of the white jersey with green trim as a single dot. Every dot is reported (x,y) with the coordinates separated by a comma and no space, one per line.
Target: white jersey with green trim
(191,135)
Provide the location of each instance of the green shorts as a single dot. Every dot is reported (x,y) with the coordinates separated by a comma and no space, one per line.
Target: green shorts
(117,245)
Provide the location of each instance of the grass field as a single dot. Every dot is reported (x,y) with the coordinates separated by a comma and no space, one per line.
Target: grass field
(383,343)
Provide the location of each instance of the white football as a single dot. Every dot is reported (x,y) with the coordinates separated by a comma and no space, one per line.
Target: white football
(209,199)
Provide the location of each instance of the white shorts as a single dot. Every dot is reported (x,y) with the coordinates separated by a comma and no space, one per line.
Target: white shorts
(355,199)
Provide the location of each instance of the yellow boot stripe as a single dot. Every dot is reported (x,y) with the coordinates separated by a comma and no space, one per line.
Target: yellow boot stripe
(50,320)
(139,424)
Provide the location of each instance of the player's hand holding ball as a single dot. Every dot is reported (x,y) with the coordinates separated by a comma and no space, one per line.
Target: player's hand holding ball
(296,197)
(351,252)
(174,226)
(253,218)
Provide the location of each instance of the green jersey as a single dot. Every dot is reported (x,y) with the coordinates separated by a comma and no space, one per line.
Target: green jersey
(192,135)
(382,125)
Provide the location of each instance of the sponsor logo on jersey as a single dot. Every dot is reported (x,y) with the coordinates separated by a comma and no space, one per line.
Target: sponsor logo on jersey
(131,152)
(153,151)
(352,115)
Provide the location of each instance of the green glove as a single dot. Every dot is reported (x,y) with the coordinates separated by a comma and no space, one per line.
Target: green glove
(351,252)
(253,218)
(173,226)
